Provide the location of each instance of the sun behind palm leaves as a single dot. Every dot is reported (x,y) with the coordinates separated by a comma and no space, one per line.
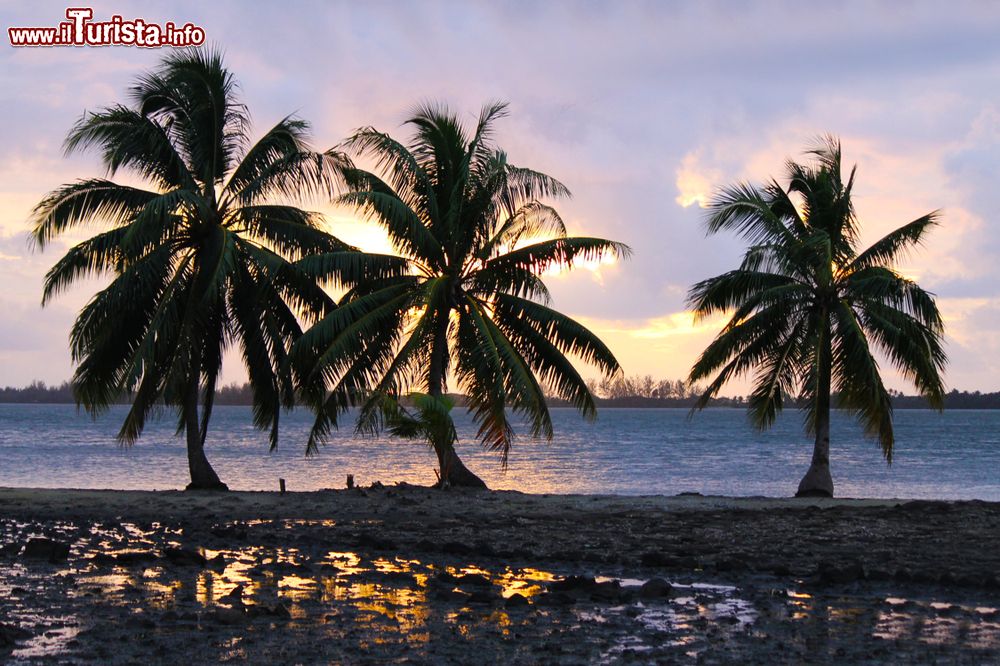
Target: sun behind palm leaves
(477,238)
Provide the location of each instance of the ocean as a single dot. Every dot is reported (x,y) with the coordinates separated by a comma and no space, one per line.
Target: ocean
(951,455)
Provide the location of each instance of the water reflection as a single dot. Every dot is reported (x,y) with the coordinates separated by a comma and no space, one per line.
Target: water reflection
(117,583)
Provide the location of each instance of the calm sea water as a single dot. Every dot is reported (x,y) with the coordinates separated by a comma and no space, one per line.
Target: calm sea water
(955,455)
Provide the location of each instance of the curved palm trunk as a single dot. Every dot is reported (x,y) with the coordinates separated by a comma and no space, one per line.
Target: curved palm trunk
(203,476)
(451,470)
(818,482)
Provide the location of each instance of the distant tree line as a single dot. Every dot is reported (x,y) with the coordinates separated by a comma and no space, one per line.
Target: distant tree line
(621,391)
(39,392)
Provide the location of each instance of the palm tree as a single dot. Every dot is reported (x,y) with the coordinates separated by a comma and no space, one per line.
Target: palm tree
(472,306)
(201,253)
(809,311)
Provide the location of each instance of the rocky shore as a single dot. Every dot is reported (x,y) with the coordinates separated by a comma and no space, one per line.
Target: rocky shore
(408,574)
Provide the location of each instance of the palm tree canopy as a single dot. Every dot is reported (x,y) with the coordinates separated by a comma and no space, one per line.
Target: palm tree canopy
(804,287)
(477,238)
(202,253)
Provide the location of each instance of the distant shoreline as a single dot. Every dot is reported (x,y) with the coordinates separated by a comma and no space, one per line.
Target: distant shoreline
(910,403)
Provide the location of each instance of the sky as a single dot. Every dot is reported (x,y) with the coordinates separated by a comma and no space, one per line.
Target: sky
(642,109)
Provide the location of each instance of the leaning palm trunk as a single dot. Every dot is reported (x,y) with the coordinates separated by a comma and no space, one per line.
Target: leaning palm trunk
(203,476)
(452,471)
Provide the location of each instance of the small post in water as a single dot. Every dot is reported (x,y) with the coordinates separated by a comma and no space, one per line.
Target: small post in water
(281,485)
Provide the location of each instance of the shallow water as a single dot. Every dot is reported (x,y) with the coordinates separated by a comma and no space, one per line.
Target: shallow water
(271,584)
(955,455)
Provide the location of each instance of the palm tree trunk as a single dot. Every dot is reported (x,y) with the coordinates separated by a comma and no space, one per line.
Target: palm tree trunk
(818,482)
(203,476)
(451,470)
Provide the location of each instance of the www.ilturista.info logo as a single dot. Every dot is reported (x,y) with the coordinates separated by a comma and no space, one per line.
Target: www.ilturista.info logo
(79,30)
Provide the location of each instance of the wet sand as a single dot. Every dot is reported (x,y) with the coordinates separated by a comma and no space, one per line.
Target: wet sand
(407,574)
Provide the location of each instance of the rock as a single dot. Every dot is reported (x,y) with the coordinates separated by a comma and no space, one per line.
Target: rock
(40,548)
(449,594)
(185,556)
(655,588)
(516,600)
(218,562)
(474,580)
(234,598)
(555,599)
(609,591)
(446,579)
(482,597)
(10,634)
(279,611)
(131,558)
(231,616)
(573,584)
(10,549)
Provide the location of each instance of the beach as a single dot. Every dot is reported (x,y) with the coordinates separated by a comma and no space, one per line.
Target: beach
(390,574)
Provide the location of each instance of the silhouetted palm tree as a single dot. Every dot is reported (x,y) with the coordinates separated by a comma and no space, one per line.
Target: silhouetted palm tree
(200,253)
(809,311)
(462,216)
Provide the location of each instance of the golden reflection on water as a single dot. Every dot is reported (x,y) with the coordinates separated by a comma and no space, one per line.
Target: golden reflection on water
(526,582)
(392,594)
(801,603)
(297,588)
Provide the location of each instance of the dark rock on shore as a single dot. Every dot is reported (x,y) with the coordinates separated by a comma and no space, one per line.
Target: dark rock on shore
(10,634)
(655,588)
(40,548)
(516,600)
(185,556)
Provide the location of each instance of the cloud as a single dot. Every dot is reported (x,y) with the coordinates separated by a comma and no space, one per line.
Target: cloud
(695,182)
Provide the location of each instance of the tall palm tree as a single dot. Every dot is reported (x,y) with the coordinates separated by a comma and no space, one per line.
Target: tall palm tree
(477,239)
(201,253)
(810,312)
